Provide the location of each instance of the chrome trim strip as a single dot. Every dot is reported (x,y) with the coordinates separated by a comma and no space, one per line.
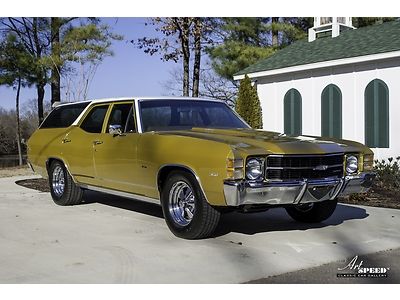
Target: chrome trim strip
(338,189)
(305,155)
(86,176)
(120,193)
(301,168)
(301,193)
(279,182)
(30,166)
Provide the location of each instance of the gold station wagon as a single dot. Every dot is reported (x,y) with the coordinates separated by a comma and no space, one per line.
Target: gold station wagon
(195,157)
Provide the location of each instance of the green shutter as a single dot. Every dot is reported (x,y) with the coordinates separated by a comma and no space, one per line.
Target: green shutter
(292,112)
(331,112)
(377,114)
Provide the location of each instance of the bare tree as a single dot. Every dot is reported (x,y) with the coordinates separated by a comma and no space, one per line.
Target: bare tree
(77,84)
(181,37)
(211,86)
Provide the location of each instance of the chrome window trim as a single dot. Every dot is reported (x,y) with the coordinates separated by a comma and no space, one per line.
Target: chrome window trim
(139,119)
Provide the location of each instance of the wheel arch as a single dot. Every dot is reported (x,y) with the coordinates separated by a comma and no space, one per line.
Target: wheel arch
(166,169)
(50,160)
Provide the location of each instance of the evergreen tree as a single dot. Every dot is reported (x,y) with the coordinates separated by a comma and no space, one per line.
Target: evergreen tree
(53,44)
(240,42)
(248,104)
(16,67)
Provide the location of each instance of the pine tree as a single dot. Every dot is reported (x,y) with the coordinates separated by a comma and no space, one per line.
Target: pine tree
(16,69)
(248,104)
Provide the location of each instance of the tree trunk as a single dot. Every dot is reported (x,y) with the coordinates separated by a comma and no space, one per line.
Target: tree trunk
(197,57)
(55,53)
(275,42)
(40,94)
(18,122)
(41,75)
(186,55)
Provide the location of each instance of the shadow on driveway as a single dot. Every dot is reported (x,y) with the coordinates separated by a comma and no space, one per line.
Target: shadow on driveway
(247,223)
(137,206)
(278,220)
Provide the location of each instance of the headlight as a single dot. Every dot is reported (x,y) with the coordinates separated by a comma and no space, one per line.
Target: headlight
(254,168)
(351,164)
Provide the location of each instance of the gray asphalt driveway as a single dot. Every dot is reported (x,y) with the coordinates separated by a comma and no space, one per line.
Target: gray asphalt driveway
(116,240)
(327,273)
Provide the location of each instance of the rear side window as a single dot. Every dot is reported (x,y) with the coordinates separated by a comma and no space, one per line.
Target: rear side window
(94,120)
(64,116)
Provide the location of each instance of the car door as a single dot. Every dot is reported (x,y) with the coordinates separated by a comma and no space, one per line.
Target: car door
(115,154)
(80,142)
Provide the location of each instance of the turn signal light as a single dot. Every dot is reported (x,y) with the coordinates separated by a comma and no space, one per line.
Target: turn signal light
(234,168)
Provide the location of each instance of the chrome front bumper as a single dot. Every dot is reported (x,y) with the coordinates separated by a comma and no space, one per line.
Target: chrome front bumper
(296,192)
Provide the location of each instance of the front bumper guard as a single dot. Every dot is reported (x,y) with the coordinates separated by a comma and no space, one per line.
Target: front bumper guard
(239,193)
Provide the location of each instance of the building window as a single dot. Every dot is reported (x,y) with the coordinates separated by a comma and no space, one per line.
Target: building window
(377,114)
(331,112)
(292,112)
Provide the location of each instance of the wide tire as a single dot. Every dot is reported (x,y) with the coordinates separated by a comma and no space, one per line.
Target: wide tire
(316,213)
(186,211)
(62,188)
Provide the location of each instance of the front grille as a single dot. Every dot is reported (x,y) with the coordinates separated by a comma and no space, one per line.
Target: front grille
(304,167)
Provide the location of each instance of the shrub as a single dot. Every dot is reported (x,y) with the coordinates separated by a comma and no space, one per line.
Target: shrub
(388,174)
(248,104)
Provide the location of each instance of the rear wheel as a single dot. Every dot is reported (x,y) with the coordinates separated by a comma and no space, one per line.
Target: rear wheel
(186,211)
(312,212)
(62,188)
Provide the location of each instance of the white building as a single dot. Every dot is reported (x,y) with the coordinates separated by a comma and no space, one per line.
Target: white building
(343,82)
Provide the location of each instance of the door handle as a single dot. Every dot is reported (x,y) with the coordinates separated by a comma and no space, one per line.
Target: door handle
(97,142)
(66,141)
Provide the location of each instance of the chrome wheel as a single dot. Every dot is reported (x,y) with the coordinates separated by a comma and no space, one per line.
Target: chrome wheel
(181,203)
(58,181)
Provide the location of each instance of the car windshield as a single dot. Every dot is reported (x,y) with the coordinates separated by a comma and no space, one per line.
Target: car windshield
(165,115)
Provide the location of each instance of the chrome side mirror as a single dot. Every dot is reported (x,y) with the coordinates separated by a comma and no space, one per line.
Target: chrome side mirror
(115,129)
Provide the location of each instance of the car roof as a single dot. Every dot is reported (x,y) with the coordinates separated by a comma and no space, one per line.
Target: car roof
(138,98)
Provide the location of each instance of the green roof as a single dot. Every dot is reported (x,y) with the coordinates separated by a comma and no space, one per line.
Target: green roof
(368,40)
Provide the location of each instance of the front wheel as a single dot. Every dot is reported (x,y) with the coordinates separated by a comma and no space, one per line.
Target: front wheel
(62,188)
(185,209)
(312,212)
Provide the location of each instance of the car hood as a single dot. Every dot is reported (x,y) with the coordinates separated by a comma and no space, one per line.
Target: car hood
(253,141)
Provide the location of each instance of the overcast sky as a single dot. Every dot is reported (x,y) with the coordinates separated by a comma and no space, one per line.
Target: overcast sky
(130,72)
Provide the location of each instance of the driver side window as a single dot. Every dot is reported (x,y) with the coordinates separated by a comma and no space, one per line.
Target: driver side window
(122,115)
